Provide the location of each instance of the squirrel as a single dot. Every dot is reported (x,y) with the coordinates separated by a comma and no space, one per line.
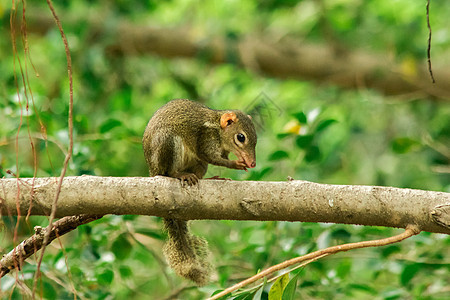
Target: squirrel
(180,140)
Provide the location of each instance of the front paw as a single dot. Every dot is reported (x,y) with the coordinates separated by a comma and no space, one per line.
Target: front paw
(188,179)
(240,165)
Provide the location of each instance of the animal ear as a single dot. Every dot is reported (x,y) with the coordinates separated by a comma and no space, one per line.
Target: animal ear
(227,119)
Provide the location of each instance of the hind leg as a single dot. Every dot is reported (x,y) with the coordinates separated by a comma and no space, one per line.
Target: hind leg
(160,155)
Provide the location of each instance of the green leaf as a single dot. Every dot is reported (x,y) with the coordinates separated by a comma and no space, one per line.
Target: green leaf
(278,155)
(404,145)
(304,141)
(244,296)
(408,273)
(129,217)
(289,290)
(216,292)
(49,291)
(313,154)
(324,124)
(125,272)
(106,277)
(341,234)
(363,287)
(258,175)
(109,124)
(283,135)
(156,234)
(265,171)
(276,291)
(81,123)
(58,256)
(344,268)
(258,293)
(301,117)
(121,247)
(392,294)
(390,250)
(121,101)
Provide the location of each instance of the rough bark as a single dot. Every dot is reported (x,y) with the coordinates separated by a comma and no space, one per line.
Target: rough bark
(278,58)
(14,259)
(213,199)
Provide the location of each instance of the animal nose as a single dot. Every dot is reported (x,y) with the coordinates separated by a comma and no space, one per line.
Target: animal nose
(253,164)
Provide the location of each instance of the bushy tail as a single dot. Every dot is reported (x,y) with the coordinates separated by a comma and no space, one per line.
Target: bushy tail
(187,254)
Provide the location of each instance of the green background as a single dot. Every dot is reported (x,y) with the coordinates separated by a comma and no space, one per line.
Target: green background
(347,136)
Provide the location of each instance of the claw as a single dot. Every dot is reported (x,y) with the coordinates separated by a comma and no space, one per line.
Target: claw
(188,179)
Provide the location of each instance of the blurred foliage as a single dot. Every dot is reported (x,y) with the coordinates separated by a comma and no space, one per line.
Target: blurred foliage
(306,131)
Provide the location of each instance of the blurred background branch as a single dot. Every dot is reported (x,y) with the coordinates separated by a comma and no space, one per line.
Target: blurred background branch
(284,57)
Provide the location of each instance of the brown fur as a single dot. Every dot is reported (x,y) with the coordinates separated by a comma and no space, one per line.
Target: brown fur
(180,140)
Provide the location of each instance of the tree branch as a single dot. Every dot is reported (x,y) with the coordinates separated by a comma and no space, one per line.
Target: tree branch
(409,232)
(286,58)
(235,200)
(31,245)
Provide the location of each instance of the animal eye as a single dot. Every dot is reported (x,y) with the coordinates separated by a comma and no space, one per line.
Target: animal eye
(241,137)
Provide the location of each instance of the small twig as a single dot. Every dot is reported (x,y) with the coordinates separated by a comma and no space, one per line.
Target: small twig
(429,42)
(409,231)
(32,244)
(288,271)
(70,148)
